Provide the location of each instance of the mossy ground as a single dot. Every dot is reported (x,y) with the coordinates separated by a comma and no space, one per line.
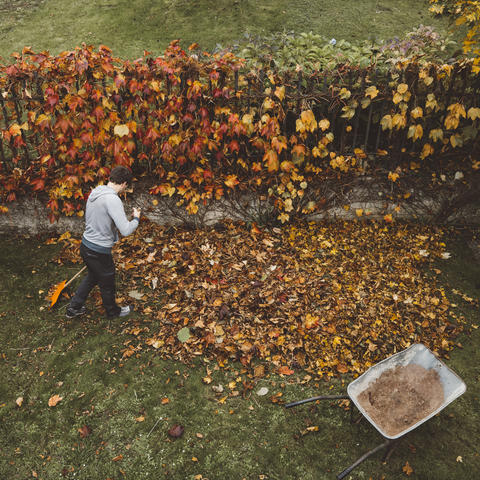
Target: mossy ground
(42,354)
(132,26)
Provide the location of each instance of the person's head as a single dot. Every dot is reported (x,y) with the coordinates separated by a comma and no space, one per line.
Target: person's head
(121,176)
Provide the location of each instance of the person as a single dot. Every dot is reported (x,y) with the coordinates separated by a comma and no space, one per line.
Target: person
(103,216)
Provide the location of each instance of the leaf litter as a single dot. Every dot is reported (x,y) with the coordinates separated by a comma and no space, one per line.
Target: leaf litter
(327,299)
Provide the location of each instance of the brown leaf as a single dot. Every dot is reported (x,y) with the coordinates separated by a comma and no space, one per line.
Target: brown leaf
(85,431)
(176,431)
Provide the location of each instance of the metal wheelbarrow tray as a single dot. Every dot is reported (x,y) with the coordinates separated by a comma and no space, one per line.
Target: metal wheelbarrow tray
(418,354)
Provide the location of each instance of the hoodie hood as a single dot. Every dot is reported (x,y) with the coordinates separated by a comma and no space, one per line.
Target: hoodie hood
(100,191)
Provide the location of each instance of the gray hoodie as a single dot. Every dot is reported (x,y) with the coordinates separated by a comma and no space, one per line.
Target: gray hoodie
(103,216)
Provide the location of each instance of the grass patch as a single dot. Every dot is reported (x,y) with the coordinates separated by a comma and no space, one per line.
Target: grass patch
(131,26)
(122,402)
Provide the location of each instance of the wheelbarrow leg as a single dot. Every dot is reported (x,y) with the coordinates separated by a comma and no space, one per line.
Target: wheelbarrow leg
(393,445)
(354,419)
(362,459)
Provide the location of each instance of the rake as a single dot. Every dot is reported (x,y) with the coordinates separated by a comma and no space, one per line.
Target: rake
(62,285)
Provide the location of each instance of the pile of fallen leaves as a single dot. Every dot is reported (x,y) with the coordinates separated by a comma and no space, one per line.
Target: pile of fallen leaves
(326,298)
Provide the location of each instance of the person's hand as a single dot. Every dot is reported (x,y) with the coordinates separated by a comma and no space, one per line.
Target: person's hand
(137,212)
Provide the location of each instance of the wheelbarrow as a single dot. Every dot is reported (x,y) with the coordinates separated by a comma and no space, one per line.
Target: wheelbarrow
(418,354)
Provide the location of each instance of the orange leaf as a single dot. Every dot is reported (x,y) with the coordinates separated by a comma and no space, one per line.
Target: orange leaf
(407,469)
(53,400)
(271,159)
(284,370)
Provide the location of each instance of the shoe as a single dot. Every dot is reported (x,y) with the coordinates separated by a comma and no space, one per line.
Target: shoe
(124,311)
(75,312)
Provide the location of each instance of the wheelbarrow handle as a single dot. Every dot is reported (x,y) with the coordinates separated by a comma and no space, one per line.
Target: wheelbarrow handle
(313,399)
(362,459)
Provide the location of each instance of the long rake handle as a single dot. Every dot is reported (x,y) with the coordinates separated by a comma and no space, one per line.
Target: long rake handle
(75,276)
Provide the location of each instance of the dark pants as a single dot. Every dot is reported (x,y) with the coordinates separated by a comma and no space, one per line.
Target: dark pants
(101,272)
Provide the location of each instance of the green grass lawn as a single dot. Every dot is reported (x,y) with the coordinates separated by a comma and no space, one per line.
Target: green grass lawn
(114,415)
(132,26)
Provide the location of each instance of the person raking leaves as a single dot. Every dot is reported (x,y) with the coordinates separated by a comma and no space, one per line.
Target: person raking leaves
(104,215)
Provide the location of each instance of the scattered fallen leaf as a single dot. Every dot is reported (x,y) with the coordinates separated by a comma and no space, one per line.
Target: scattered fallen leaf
(407,469)
(19,401)
(262,391)
(176,431)
(85,431)
(54,400)
(284,370)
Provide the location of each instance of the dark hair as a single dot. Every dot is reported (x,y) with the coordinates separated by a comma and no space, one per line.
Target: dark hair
(121,174)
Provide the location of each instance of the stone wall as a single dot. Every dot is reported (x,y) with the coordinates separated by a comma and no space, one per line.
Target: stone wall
(29,216)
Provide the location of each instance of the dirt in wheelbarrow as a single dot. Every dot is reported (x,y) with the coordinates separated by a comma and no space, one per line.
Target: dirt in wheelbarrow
(402,396)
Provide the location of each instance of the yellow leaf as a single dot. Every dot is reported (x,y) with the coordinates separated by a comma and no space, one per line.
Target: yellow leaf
(473,113)
(402,88)
(140,419)
(417,112)
(451,122)
(268,103)
(393,176)
(386,122)
(19,401)
(415,132)
(397,98)
(42,118)
(388,218)
(436,134)
(324,124)
(437,9)
(359,212)
(431,102)
(399,121)
(345,94)
(426,151)
(308,119)
(280,93)
(121,130)
(300,126)
(371,92)
(283,217)
(231,181)
(456,141)
(288,205)
(457,109)
(349,112)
